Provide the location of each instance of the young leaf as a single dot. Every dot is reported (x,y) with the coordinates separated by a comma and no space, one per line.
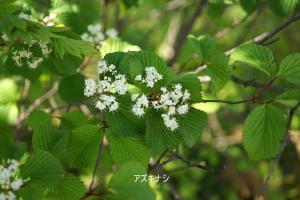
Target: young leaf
(290,69)
(204,45)
(256,56)
(125,149)
(219,71)
(264,129)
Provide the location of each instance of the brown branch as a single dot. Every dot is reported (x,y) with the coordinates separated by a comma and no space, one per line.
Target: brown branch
(224,101)
(271,34)
(283,144)
(255,84)
(37,103)
(90,191)
(260,39)
(264,37)
(176,156)
(184,30)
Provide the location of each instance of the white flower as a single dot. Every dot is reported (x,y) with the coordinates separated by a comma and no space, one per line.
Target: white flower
(170,122)
(183,109)
(16,184)
(25,16)
(100,105)
(138,78)
(120,84)
(90,87)
(102,67)
(4,37)
(10,196)
(141,103)
(134,97)
(27,56)
(94,34)
(49,20)
(112,33)
(152,76)
(8,180)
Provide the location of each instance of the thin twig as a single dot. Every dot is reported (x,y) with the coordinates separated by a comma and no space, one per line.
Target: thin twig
(262,38)
(255,84)
(90,191)
(224,101)
(37,103)
(283,144)
(184,30)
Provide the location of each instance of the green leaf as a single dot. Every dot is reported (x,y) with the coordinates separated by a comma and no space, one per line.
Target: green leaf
(158,136)
(283,7)
(71,88)
(249,5)
(123,122)
(191,125)
(134,63)
(83,145)
(74,119)
(259,57)
(264,128)
(114,58)
(47,138)
(43,169)
(78,48)
(204,45)
(290,69)
(66,66)
(290,94)
(219,71)
(70,188)
(38,118)
(115,44)
(191,82)
(124,186)
(125,149)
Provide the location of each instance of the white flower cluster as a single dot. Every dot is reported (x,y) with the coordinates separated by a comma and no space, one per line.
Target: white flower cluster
(141,102)
(173,102)
(152,76)
(49,20)
(8,180)
(94,34)
(25,16)
(111,84)
(25,55)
